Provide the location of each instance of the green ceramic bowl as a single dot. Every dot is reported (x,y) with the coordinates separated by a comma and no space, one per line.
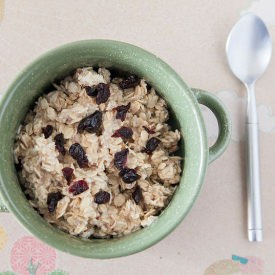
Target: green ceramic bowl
(183,102)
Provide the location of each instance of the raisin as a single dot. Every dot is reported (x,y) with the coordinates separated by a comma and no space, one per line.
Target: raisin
(91,123)
(52,200)
(103,93)
(59,144)
(91,91)
(47,131)
(151,145)
(149,131)
(78,153)
(123,132)
(68,173)
(102,197)
(129,175)
(137,195)
(130,82)
(78,187)
(121,158)
(122,111)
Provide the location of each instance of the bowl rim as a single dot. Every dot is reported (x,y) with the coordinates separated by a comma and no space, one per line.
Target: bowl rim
(60,240)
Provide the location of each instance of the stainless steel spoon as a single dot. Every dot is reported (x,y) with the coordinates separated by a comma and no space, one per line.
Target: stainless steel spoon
(248,50)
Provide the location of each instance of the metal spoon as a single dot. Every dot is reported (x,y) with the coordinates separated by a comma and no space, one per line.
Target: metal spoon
(248,50)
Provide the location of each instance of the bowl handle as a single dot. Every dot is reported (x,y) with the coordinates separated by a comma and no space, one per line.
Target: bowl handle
(224,122)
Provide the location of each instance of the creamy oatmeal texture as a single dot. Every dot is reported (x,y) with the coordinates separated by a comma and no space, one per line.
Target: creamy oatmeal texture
(96,155)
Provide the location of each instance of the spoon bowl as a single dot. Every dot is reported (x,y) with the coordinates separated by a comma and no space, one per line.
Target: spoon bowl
(249,48)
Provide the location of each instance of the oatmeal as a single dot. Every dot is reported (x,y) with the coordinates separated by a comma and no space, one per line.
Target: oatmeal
(97,155)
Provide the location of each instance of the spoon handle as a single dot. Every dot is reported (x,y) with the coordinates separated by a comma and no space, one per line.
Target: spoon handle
(253,170)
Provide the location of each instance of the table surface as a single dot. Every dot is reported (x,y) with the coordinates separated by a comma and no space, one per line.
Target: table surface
(190,36)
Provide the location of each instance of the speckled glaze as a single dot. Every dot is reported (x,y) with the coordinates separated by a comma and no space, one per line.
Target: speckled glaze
(183,102)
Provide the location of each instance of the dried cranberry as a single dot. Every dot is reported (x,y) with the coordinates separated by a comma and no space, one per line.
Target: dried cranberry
(103,93)
(102,197)
(149,131)
(47,131)
(91,123)
(129,175)
(78,187)
(121,158)
(122,111)
(137,195)
(78,153)
(151,145)
(123,132)
(68,173)
(130,82)
(52,200)
(59,144)
(91,91)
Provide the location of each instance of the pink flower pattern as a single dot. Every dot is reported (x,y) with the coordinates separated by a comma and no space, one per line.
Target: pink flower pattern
(31,256)
(254,266)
